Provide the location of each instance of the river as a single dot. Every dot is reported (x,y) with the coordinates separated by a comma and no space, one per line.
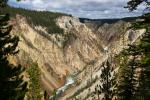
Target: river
(69,80)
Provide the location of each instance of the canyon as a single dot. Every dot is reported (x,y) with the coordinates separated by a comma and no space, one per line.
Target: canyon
(77,53)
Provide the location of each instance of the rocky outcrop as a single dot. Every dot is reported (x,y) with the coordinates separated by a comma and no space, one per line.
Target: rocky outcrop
(78,51)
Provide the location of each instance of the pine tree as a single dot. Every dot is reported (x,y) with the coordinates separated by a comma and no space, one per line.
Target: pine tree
(108,82)
(127,79)
(133,4)
(144,48)
(34,83)
(12,86)
(144,89)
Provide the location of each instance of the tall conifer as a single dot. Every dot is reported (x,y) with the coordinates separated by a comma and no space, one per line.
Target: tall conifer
(12,86)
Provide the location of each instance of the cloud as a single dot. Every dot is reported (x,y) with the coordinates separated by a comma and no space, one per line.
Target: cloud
(95,9)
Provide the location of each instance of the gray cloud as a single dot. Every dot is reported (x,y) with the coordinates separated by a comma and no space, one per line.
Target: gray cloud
(95,9)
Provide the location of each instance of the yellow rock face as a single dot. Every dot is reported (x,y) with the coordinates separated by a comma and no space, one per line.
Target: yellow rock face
(78,49)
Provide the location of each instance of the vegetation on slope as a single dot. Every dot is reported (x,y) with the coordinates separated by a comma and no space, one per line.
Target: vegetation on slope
(142,52)
(12,86)
(34,83)
(134,62)
(107,78)
(38,18)
(135,68)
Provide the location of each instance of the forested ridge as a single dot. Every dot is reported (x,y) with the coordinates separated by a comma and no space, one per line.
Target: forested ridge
(38,18)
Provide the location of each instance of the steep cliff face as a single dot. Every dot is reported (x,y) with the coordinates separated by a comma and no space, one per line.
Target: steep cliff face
(78,51)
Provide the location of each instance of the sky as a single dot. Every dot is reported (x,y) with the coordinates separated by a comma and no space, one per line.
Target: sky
(94,9)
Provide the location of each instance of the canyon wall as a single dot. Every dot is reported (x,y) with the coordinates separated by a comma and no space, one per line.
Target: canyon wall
(79,51)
